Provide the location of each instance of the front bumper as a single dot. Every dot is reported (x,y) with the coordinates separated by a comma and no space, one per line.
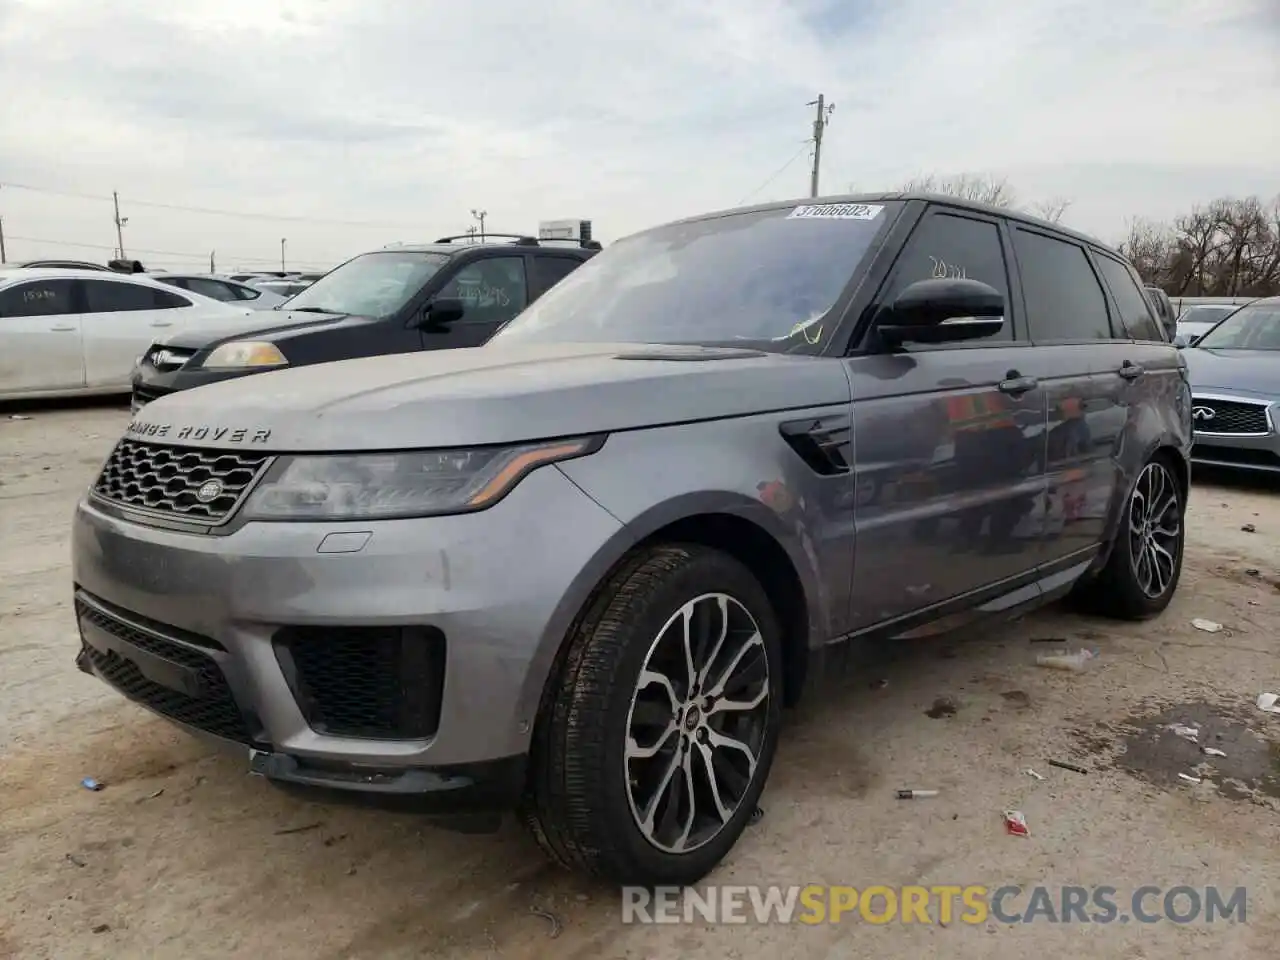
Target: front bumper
(1256,450)
(255,638)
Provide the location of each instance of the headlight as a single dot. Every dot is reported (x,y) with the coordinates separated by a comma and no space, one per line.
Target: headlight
(246,353)
(380,486)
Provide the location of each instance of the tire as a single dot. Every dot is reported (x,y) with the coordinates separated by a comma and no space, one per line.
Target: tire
(587,799)
(1125,589)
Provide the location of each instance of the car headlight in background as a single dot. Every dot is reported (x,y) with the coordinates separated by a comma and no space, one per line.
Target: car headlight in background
(246,353)
(380,486)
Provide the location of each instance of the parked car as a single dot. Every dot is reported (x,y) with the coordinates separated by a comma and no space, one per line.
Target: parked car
(1235,390)
(57,265)
(1198,320)
(405,298)
(284,289)
(222,288)
(580,569)
(66,331)
(1163,308)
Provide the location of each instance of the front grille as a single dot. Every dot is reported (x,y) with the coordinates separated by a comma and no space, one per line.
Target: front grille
(214,712)
(199,485)
(381,683)
(1228,416)
(169,358)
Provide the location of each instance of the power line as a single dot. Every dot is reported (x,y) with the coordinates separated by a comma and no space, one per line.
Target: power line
(776,174)
(162,253)
(213,211)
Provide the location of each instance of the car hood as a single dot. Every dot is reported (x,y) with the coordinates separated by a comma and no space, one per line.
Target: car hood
(1234,371)
(490,394)
(273,325)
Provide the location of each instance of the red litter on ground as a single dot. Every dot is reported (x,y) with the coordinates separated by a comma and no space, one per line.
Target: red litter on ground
(1016,823)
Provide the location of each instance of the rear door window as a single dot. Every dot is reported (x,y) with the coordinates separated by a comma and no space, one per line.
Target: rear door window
(1064,299)
(1135,309)
(114,296)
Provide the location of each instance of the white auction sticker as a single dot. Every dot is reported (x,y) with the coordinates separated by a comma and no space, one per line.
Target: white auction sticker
(837,211)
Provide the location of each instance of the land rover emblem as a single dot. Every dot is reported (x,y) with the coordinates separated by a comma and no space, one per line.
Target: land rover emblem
(209,491)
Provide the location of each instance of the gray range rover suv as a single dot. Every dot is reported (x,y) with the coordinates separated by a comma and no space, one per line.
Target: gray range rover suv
(578,571)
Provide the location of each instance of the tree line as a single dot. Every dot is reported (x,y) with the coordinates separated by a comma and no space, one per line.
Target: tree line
(1229,247)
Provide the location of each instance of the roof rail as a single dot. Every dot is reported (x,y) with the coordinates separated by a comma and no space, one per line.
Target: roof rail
(520,238)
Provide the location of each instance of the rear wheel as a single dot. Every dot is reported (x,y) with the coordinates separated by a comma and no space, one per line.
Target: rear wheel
(1142,573)
(654,741)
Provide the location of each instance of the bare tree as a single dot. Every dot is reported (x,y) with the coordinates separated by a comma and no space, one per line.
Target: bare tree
(1051,210)
(977,187)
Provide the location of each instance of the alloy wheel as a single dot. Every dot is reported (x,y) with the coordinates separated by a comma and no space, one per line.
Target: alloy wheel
(697,723)
(1155,529)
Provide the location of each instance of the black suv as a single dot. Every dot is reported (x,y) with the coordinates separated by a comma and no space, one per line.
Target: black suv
(396,300)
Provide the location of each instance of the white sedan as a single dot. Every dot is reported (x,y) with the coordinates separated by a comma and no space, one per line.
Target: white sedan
(65,332)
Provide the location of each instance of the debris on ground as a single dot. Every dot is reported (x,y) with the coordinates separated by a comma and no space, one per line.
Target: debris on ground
(1189,778)
(1016,824)
(916,794)
(91,784)
(1213,752)
(879,684)
(1267,703)
(1048,640)
(757,815)
(1249,528)
(150,796)
(1019,698)
(1253,572)
(18,416)
(1208,626)
(1185,731)
(302,829)
(1066,660)
(102,928)
(942,707)
(1063,765)
(1031,773)
(72,858)
(550,918)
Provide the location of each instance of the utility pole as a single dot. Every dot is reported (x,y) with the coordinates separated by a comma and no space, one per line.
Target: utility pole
(120,223)
(471,233)
(819,125)
(212,269)
(480,215)
(282,239)
(2,256)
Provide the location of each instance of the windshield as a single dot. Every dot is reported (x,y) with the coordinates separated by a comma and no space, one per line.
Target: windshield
(767,277)
(1255,327)
(1205,314)
(371,285)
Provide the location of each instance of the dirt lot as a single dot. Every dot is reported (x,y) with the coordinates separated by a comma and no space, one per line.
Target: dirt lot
(182,855)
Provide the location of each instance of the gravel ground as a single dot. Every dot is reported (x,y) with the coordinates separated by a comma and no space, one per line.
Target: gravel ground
(182,855)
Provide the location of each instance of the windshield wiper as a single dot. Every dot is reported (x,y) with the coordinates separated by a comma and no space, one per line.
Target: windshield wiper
(284,306)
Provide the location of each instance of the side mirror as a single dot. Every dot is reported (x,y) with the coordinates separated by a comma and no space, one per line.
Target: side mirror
(943,311)
(443,311)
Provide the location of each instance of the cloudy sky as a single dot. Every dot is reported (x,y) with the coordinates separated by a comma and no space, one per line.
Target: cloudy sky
(342,125)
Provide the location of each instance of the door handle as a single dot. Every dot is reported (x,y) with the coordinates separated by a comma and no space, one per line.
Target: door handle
(1015,385)
(162,323)
(1130,370)
(70,329)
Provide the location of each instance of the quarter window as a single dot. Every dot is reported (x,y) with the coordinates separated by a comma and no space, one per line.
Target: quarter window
(115,296)
(41,298)
(1064,299)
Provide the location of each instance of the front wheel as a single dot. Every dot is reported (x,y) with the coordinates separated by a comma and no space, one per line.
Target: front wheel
(654,741)
(1142,573)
